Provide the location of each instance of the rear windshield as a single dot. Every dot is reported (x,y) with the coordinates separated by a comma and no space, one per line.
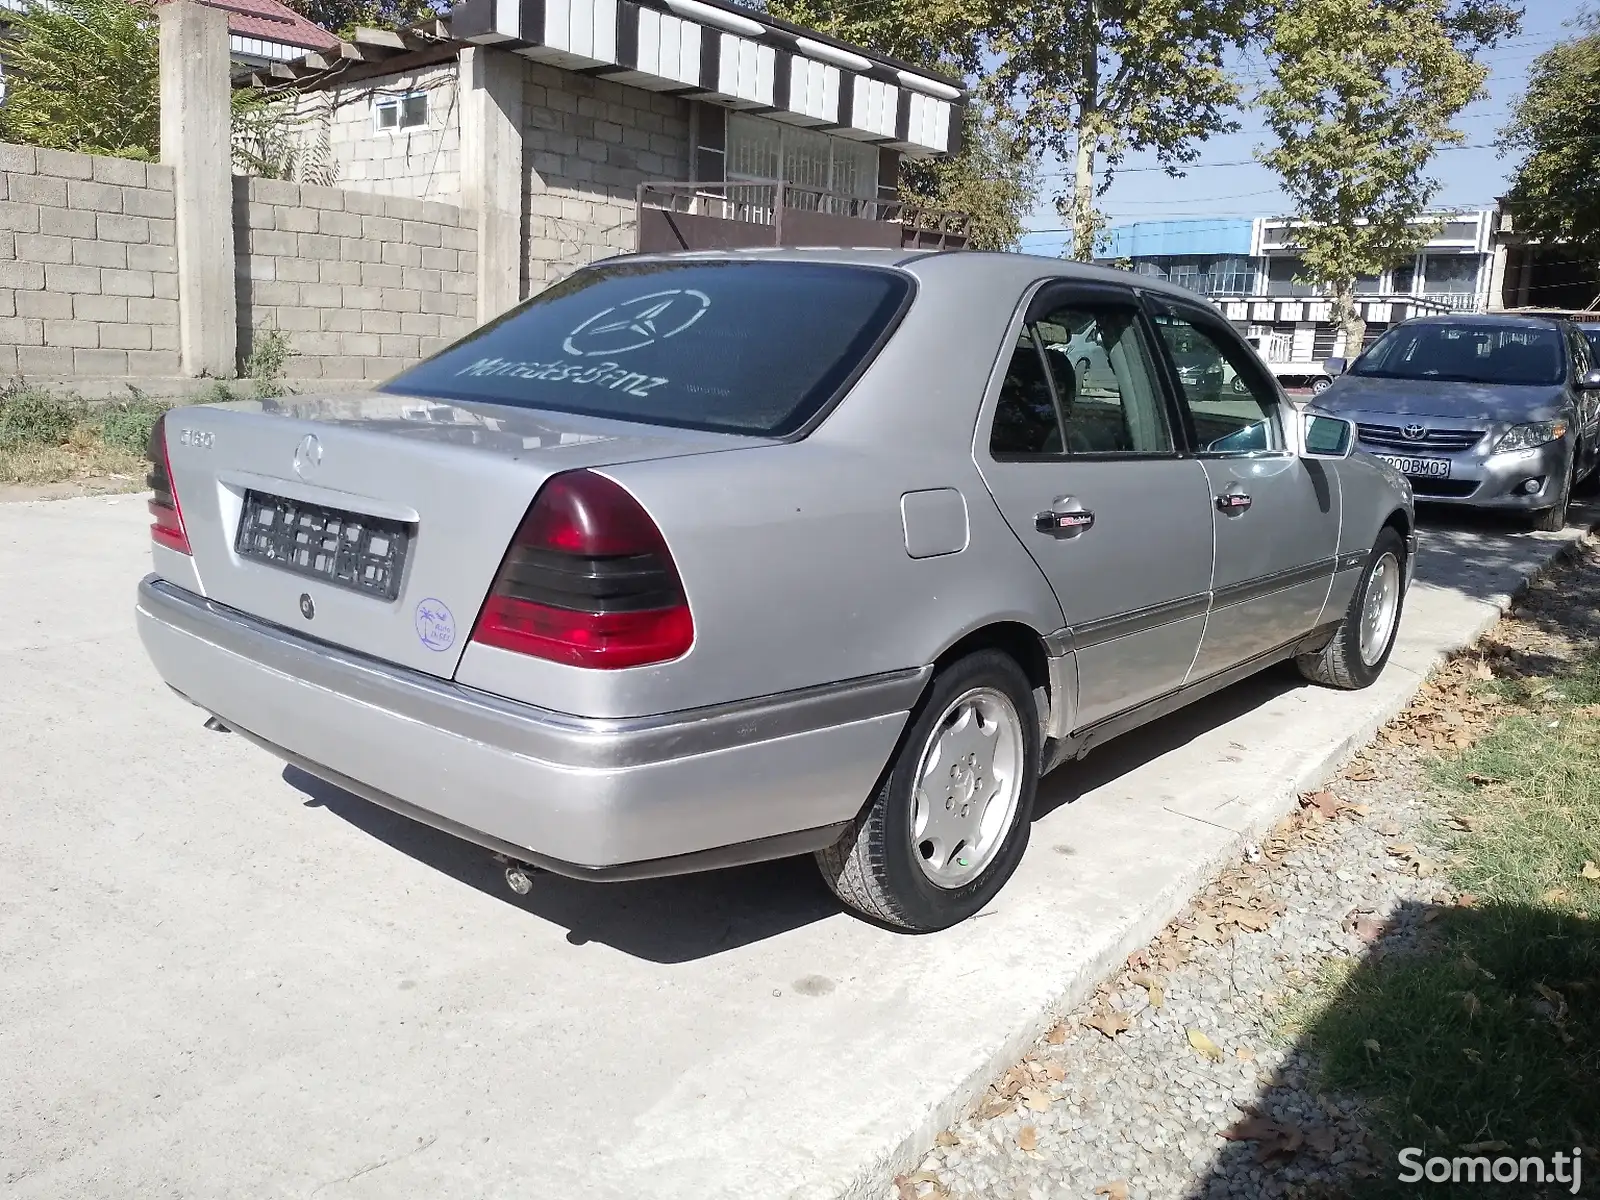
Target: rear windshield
(756,348)
(1467,353)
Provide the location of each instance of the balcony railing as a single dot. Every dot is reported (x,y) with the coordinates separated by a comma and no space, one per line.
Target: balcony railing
(743,214)
(1457,301)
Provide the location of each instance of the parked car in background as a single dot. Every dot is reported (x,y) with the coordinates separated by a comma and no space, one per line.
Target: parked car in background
(1495,411)
(698,560)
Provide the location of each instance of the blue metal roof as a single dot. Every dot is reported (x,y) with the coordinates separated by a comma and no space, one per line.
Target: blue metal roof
(1198,235)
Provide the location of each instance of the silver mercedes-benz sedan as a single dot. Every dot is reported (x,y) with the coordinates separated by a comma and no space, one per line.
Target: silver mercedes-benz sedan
(1493,411)
(692,561)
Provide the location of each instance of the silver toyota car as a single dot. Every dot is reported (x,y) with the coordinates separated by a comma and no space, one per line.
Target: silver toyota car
(1493,411)
(691,561)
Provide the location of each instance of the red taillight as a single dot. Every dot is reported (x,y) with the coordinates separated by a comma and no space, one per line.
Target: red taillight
(167,528)
(588,581)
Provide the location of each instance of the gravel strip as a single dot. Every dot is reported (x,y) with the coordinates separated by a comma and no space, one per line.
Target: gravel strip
(1134,1095)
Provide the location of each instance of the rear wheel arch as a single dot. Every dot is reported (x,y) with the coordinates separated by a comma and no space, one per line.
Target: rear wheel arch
(1022,642)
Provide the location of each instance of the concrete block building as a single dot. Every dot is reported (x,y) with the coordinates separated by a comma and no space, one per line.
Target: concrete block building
(582,129)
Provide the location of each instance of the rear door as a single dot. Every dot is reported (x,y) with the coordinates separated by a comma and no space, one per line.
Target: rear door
(1276,515)
(1086,469)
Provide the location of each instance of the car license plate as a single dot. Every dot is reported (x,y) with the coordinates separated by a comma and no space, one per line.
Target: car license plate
(349,550)
(1425,468)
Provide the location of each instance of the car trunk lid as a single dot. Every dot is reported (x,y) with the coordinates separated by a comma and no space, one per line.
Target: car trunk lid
(377,522)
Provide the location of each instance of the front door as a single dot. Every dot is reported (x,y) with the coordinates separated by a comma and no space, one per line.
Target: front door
(1085,467)
(1276,514)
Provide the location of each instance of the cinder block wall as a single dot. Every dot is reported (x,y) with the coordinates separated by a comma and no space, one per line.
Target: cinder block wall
(88,272)
(361,284)
(589,144)
(423,162)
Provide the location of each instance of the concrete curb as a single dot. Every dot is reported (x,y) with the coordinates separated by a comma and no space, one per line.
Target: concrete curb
(876,1180)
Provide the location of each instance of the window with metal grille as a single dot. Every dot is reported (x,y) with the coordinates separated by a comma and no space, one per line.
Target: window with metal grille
(1323,341)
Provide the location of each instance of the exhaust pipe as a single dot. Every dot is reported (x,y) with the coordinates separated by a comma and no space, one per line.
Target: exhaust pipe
(519,875)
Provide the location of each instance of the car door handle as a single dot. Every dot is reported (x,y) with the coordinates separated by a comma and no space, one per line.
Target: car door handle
(1234,503)
(1065,518)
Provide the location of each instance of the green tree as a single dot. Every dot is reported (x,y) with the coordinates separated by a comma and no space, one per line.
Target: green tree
(1555,192)
(1362,95)
(343,17)
(83,75)
(1092,80)
(994,179)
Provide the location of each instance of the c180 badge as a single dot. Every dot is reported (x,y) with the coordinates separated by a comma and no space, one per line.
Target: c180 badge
(436,625)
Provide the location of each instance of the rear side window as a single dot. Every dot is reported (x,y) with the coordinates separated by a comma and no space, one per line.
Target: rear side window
(753,348)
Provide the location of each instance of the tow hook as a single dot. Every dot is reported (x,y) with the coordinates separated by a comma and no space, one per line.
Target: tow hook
(519,875)
(216,726)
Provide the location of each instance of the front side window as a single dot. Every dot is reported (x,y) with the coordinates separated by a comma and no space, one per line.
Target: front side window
(1592,334)
(1467,352)
(1233,407)
(1081,382)
(739,347)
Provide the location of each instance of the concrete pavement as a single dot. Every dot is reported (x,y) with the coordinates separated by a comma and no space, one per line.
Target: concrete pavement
(221,978)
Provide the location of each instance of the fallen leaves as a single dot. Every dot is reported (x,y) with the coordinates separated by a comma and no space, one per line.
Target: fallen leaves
(947,1139)
(1372,1046)
(1416,864)
(1117,1189)
(1272,1139)
(1027,1138)
(1590,871)
(1110,1022)
(1205,1046)
(1245,1054)
(1057,1036)
(1152,987)
(1037,1100)
(1555,896)
(1365,925)
(906,1187)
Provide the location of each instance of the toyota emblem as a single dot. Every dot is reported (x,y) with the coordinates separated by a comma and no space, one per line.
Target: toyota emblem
(307,455)
(1415,433)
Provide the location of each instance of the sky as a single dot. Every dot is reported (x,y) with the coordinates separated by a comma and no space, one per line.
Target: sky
(1225,182)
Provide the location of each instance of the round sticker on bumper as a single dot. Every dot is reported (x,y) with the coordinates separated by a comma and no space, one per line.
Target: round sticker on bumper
(436,627)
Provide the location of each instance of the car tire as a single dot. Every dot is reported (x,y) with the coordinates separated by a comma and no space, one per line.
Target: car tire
(1320,384)
(892,868)
(1356,655)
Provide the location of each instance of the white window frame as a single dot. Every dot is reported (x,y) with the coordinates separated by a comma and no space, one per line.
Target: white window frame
(397,102)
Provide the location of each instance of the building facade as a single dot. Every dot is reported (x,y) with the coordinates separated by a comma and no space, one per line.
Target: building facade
(1249,266)
(661,124)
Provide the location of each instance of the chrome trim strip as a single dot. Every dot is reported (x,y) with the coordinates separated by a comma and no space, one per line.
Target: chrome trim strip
(1107,629)
(783,845)
(1349,562)
(538,733)
(1265,585)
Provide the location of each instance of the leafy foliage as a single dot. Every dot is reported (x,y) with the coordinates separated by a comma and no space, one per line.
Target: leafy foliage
(284,136)
(126,424)
(1102,78)
(31,416)
(1555,193)
(270,352)
(344,16)
(995,177)
(83,75)
(1361,98)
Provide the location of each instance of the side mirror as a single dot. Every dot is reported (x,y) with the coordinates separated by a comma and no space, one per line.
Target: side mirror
(1589,381)
(1335,366)
(1327,437)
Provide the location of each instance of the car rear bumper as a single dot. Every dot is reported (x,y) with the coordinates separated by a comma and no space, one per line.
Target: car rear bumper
(591,798)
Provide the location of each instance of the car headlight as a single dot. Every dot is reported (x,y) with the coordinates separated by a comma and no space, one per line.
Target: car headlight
(1530,437)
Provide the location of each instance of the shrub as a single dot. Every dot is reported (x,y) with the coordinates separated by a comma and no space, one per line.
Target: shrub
(33,417)
(126,425)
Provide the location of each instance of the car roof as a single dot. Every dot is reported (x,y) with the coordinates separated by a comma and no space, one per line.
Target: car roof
(1509,319)
(985,267)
